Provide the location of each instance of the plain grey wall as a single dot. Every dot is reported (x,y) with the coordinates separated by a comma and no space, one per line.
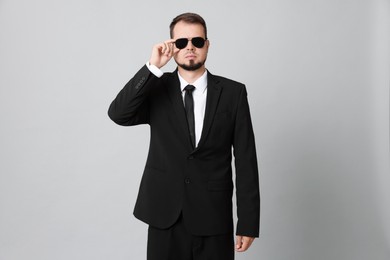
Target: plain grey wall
(317,74)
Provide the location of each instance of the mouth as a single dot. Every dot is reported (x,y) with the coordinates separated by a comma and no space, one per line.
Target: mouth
(190,56)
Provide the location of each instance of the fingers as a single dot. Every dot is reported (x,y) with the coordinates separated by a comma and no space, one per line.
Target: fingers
(165,49)
(162,53)
(243,243)
(238,242)
(168,48)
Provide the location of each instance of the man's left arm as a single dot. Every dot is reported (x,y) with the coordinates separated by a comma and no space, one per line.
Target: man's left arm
(247,177)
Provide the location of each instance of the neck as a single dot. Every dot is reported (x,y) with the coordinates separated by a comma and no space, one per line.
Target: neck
(191,76)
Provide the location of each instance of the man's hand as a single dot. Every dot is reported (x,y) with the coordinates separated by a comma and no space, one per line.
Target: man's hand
(243,243)
(162,53)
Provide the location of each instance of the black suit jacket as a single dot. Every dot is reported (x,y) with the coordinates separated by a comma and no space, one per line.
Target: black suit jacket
(195,182)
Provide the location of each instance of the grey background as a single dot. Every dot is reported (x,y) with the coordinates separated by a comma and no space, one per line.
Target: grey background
(317,74)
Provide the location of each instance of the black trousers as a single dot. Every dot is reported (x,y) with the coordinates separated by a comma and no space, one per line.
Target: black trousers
(175,243)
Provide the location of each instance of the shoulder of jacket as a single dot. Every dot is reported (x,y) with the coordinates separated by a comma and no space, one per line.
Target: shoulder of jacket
(228,83)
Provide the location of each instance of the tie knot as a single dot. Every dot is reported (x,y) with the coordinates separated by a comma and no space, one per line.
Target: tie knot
(190,88)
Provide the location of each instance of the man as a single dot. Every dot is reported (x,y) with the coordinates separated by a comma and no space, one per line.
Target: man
(195,119)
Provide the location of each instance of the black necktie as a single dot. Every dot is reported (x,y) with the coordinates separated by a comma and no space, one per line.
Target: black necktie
(189,106)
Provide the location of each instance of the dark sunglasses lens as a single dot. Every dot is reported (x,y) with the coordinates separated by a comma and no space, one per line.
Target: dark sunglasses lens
(181,43)
(198,42)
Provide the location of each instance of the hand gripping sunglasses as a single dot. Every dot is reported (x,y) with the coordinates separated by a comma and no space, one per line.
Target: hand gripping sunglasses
(198,42)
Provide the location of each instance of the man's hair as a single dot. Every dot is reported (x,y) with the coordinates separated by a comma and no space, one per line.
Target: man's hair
(188,18)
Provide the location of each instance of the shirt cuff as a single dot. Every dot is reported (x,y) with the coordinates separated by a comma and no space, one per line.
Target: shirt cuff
(156,71)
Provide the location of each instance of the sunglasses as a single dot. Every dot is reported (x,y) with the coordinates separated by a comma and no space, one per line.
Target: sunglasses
(198,42)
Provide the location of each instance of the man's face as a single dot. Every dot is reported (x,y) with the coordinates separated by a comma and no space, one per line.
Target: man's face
(191,57)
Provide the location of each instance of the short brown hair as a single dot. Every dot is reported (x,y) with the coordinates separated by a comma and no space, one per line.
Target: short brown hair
(188,18)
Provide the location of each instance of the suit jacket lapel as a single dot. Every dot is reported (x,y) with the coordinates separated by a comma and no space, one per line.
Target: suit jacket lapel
(213,94)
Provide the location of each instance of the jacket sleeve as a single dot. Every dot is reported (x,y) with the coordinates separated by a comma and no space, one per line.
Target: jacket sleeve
(131,105)
(247,177)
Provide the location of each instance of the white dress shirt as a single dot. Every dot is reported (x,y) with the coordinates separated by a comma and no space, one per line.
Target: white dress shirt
(199,94)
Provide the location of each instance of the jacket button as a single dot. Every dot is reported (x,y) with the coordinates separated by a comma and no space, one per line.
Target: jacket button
(187,181)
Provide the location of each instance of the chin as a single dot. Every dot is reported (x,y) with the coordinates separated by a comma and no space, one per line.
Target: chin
(191,65)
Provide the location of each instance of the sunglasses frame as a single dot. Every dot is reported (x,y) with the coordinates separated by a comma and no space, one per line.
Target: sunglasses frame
(196,43)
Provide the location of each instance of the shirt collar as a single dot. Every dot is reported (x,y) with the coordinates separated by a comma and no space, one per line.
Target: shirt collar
(200,84)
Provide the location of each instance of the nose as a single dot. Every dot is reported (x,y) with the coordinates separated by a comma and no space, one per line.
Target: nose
(190,46)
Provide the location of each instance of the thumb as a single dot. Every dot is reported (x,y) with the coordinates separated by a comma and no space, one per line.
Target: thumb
(238,242)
